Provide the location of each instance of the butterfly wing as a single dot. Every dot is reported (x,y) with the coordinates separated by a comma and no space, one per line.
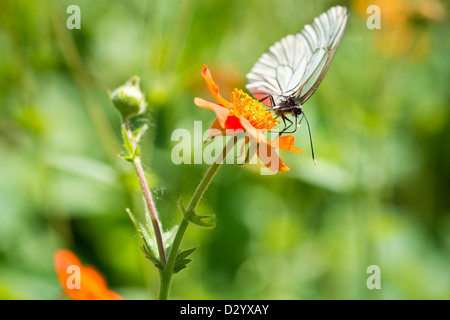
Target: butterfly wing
(279,71)
(322,38)
(295,65)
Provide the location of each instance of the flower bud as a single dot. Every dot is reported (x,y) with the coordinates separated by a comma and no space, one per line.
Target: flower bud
(129,99)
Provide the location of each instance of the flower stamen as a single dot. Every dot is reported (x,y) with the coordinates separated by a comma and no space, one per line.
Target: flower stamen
(252,110)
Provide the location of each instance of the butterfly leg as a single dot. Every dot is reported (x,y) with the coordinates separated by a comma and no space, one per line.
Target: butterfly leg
(286,127)
(272,102)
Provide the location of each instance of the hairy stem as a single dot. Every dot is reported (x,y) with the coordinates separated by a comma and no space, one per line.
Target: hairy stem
(148,198)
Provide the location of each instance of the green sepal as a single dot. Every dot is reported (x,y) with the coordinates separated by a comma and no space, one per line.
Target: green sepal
(129,99)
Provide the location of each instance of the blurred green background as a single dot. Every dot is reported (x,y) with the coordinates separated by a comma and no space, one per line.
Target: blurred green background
(380,123)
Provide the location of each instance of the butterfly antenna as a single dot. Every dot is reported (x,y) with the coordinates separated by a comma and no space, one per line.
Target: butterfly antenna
(310,140)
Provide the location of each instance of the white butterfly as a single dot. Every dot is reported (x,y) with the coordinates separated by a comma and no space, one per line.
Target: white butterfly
(287,75)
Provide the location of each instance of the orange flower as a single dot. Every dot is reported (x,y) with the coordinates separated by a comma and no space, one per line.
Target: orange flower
(81,282)
(246,114)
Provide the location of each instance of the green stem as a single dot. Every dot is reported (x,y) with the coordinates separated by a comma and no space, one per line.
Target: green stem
(166,275)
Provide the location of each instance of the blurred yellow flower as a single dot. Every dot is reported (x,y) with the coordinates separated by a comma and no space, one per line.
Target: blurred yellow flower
(399,33)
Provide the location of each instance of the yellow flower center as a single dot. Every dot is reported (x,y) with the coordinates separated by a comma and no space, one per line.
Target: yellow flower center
(252,110)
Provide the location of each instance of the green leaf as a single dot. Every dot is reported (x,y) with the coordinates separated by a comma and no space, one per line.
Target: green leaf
(168,237)
(127,143)
(185,253)
(181,265)
(151,256)
(137,152)
(149,248)
(126,157)
(181,261)
(204,221)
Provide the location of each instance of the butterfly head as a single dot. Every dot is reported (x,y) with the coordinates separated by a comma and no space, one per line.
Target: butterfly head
(297,110)
(293,106)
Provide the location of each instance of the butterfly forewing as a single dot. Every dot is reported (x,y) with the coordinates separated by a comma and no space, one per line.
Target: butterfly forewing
(295,65)
(327,31)
(279,70)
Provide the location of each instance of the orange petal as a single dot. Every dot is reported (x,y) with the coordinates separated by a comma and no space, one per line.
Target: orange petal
(96,287)
(63,259)
(286,143)
(92,285)
(213,88)
(271,159)
(220,111)
(254,133)
(94,276)
(215,130)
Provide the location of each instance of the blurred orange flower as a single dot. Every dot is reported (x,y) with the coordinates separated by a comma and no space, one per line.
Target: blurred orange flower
(399,33)
(243,113)
(81,282)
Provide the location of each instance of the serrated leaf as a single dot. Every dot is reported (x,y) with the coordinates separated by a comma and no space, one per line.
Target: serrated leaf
(178,269)
(150,256)
(181,261)
(180,265)
(185,253)
(204,221)
(149,248)
(167,236)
